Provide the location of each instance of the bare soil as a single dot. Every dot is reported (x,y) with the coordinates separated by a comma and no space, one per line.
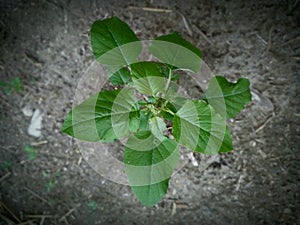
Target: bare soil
(47,44)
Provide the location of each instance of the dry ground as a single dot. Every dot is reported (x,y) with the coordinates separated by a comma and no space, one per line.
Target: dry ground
(46,44)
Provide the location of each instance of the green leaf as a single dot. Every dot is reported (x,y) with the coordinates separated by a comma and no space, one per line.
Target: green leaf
(120,77)
(144,120)
(227,98)
(175,76)
(177,39)
(149,195)
(148,69)
(149,164)
(12,85)
(177,102)
(134,120)
(31,153)
(157,127)
(176,51)
(103,117)
(6,165)
(92,205)
(114,43)
(51,182)
(16,83)
(198,127)
(148,77)
(167,113)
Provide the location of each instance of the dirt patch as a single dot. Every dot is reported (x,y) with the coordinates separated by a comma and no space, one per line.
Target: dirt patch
(46,44)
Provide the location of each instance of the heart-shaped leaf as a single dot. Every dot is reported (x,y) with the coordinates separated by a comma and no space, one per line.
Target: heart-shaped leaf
(198,127)
(149,77)
(103,117)
(114,43)
(172,49)
(120,77)
(149,164)
(157,126)
(227,98)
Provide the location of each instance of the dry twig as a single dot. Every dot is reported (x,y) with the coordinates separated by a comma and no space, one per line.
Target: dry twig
(289,41)
(5,176)
(68,213)
(186,24)
(152,9)
(38,143)
(42,221)
(260,127)
(2,205)
(202,34)
(182,205)
(30,222)
(4,218)
(262,41)
(37,196)
(6,103)
(270,39)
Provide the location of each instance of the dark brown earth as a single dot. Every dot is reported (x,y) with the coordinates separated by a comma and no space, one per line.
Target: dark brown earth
(46,44)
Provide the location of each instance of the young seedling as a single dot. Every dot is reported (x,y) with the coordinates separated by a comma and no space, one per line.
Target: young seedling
(147,108)
(12,85)
(51,183)
(7,165)
(92,205)
(31,153)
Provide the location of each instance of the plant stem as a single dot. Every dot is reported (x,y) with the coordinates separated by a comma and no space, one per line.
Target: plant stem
(168,81)
(169,111)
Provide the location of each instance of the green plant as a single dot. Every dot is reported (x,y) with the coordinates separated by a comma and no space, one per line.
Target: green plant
(147,108)
(51,183)
(31,153)
(7,165)
(12,85)
(92,205)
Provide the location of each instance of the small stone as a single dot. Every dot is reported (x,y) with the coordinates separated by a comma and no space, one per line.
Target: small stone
(192,159)
(35,126)
(252,143)
(27,111)
(174,192)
